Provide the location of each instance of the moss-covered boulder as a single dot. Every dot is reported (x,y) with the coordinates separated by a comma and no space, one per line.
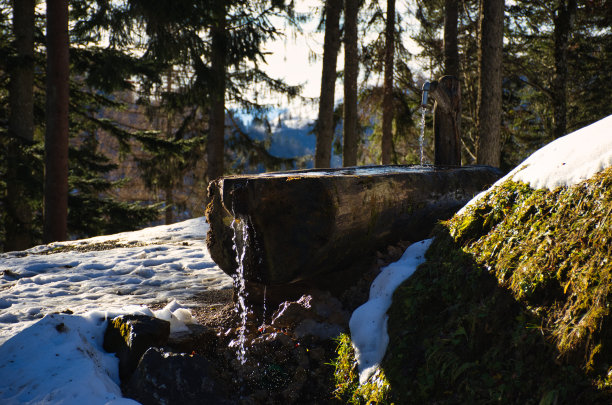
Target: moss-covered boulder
(511,306)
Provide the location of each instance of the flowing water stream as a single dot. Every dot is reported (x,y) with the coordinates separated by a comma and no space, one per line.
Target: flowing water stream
(422,135)
(240,232)
(263,322)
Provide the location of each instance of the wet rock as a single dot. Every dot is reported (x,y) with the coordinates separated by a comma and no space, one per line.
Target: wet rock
(175,378)
(129,336)
(290,313)
(319,314)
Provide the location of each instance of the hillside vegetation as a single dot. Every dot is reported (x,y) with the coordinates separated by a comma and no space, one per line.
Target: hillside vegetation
(511,306)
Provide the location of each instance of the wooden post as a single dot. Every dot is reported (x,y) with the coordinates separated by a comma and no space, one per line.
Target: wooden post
(447,121)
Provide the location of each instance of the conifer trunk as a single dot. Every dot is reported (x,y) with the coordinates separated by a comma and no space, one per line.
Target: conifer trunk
(451,50)
(563,22)
(489,108)
(215,144)
(387,118)
(325,123)
(169,217)
(56,137)
(18,220)
(351,71)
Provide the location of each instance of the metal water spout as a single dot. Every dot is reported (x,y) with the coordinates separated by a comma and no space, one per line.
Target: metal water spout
(446,93)
(427,88)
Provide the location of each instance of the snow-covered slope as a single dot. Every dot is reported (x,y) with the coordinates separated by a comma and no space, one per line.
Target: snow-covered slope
(564,162)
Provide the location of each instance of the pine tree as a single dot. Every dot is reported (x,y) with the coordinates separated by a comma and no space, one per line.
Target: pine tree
(405,101)
(351,72)
(222,51)
(92,209)
(216,135)
(56,138)
(325,122)
(451,50)
(564,15)
(19,215)
(491,20)
(387,107)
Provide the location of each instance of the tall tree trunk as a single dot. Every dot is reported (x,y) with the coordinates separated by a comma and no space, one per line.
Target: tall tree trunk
(387,118)
(168,190)
(489,106)
(563,21)
(18,220)
(169,217)
(216,137)
(325,123)
(451,50)
(351,71)
(56,137)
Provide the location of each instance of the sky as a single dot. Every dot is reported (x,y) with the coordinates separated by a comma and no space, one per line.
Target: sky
(50,356)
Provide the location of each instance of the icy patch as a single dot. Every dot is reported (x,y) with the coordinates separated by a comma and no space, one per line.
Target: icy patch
(368,323)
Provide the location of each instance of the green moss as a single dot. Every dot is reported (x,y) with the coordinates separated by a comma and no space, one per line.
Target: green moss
(346,375)
(552,250)
(512,304)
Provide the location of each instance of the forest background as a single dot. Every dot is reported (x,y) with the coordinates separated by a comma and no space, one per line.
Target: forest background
(115,114)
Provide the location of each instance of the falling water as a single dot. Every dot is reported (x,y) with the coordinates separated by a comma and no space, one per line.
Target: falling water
(422,135)
(263,322)
(240,227)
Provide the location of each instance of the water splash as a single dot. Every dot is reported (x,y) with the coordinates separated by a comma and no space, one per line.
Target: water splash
(240,229)
(422,135)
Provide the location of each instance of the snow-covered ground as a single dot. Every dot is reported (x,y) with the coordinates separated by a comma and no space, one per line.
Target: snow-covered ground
(45,362)
(58,358)
(165,263)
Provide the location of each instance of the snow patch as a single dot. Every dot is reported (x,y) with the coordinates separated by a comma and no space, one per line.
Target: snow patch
(565,161)
(368,323)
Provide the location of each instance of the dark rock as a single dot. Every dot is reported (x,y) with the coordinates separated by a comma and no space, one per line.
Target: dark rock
(174,378)
(320,315)
(291,313)
(199,338)
(129,336)
(320,330)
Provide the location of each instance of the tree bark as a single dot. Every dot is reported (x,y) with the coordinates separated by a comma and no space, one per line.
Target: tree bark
(325,122)
(56,136)
(447,121)
(215,146)
(18,221)
(563,21)
(169,216)
(451,50)
(351,71)
(387,118)
(489,106)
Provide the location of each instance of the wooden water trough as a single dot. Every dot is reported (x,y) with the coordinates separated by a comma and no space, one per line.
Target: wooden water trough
(299,225)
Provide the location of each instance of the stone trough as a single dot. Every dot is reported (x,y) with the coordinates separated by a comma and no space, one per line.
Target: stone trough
(304,225)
